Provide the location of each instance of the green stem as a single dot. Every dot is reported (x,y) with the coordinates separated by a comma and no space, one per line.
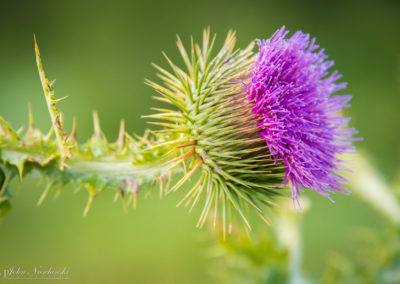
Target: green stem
(295,258)
(125,166)
(84,166)
(289,234)
(118,169)
(372,188)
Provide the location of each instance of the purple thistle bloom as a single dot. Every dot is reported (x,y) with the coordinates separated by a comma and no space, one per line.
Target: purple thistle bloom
(301,122)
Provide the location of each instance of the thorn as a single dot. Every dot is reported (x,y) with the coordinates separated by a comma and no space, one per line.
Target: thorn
(61,120)
(183,162)
(58,192)
(188,154)
(47,137)
(21,170)
(19,131)
(116,196)
(191,143)
(45,192)
(265,219)
(132,140)
(161,181)
(168,182)
(187,176)
(131,185)
(121,134)
(96,125)
(88,205)
(60,99)
(9,131)
(122,194)
(30,115)
(134,199)
(146,135)
(92,194)
(72,137)
(78,189)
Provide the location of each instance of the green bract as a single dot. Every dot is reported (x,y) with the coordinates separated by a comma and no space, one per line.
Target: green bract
(218,133)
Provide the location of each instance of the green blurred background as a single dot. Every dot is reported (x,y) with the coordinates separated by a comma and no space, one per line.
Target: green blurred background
(100,52)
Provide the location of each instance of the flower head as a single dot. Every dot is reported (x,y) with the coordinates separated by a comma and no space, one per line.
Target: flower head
(300,119)
(285,127)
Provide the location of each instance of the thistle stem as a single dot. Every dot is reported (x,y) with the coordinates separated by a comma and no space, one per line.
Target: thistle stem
(123,172)
(108,167)
(372,188)
(289,234)
(295,259)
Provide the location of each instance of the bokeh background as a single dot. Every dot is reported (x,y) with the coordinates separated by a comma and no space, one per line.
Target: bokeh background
(100,53)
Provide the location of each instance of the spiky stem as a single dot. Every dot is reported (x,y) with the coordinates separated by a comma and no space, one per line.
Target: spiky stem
(123,166)
(126,165)
(55,115)
(109,167)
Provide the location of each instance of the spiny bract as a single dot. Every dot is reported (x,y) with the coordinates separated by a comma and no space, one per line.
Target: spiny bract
(218,130)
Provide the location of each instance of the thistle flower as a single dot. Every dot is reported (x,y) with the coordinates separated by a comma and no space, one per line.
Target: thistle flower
(300,118)
(248,123)
(286,102)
